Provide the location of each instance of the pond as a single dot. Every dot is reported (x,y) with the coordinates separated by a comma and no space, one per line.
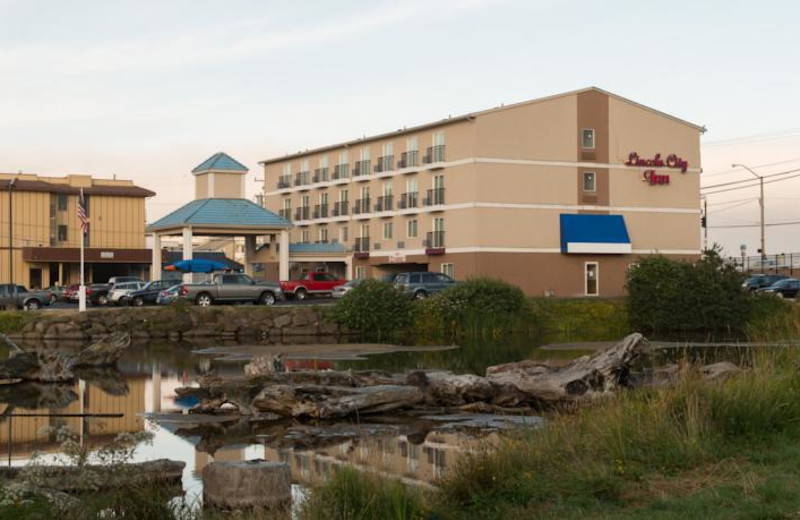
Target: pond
(140,396)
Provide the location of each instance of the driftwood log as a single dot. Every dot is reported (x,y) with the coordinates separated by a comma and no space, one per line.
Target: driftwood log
(60,367)
(327,395)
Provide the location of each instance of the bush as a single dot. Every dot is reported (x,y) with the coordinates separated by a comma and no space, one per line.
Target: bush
(478,305)
(669,296)
(375,309)
(11,321)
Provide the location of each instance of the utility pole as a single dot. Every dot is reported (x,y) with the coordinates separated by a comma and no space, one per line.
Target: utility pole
(12,286)
(705,224)
(761,204)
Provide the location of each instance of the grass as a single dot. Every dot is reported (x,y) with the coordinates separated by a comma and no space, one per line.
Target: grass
(581,319)
(692,450)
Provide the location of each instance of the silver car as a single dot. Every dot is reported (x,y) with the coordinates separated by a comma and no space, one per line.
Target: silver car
(119,291)
(340,290)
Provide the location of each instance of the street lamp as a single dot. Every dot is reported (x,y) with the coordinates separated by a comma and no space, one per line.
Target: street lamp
(12,287)
(761,203)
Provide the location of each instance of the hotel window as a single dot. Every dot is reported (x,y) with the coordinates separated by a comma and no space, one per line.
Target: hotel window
(62,233)
(361,272)
(365,153)
(62,202)
(323,235)
(591,274)
(304,201)
(387,189)
(323,199)
(589,181)
(364,230)
(412,145)
(365,192)
(447,269)
(304,236)
(343,196)
(387,230)
(343,234)
(411,228)
(587,138)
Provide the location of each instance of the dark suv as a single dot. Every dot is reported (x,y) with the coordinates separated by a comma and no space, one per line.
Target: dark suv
(759,281)
(421,285)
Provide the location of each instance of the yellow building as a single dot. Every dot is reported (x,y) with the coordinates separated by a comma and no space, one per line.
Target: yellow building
(558,195)
(44,239)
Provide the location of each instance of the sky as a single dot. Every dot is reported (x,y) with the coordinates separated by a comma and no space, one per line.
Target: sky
(147,90)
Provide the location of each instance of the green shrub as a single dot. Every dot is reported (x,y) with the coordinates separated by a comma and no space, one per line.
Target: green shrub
(11,321)
(375,309)
(670,296)
(477,305)
(581,319)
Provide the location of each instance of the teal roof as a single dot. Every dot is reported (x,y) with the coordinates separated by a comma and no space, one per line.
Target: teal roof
(306,247)
(221,161)
(220,212)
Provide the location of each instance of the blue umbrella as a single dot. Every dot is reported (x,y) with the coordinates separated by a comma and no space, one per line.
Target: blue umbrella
(197,265)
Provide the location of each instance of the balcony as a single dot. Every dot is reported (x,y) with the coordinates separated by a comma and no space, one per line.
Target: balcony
(408,200)
(408,160)
(321,211)
(384,203)
(302,213)
(361,168)
(341,171)
(285,214)
(434,243)
(340,208)
(435,197)
(361,245)
(361,206)
(434,154)
(284,182)
(385,164)
(320,175)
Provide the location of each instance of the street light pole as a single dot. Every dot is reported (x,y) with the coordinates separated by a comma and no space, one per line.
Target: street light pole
(761,204)
(12,285)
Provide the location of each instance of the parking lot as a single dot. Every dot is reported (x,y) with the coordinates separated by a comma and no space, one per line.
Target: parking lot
(72,305)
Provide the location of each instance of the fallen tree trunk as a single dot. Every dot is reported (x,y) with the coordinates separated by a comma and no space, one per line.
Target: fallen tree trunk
(525,385)
(60,367)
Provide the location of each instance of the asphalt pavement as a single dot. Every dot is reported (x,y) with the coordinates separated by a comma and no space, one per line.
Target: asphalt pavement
(310,301)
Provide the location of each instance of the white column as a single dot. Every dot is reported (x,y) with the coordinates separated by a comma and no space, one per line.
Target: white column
(249,254)
(155,267)
(283,259)
(348,267)
(187,251)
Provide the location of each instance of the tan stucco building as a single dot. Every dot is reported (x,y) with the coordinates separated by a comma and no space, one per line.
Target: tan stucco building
(45,239)
(558,195)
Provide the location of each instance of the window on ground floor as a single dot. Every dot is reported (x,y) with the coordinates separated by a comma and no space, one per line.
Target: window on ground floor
(361,271)
(592,278)
(448,270)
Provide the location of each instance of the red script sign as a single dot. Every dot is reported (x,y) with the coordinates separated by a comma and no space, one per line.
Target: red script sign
(650,176)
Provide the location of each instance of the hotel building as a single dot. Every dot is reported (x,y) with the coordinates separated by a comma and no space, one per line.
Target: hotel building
(558,195)
(44,239)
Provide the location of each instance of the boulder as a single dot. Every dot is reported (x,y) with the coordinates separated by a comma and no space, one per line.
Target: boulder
(249,485)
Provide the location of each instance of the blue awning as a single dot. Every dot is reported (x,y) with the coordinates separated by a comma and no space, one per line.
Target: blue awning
(586,233)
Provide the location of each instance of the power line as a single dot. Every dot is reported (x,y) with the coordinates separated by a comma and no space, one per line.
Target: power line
(751,185)
(742,181)
(742,170)
(730,207)
(734,201)
(755,138)
(773,224)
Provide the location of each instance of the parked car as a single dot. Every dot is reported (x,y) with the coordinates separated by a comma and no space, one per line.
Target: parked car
(118,294)
(97,293)
(421,285)
(18,297)
(122,279)
(786,288)
(168,296)
(311,284)
(232,288)
(759,281)
(71,293)
(340,290)
(148,294)
(58,292)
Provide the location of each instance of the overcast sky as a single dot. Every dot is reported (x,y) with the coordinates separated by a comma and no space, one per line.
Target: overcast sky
(147,90)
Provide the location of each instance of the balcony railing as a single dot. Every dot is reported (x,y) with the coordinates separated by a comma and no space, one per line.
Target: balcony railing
(435,240)
(408,159)
(384,203)
(320,175)
(341,171)
(385,164)
(361,245)
(361,168)
(302,213)
(361,206)
(434,154)
(340,208)
(321,211)
(408,200)
(435,197)
(285,214)
(284,182)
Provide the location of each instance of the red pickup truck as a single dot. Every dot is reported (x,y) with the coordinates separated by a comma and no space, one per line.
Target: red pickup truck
(311,284)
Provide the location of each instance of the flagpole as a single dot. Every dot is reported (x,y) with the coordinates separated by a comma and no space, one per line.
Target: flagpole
(82,289)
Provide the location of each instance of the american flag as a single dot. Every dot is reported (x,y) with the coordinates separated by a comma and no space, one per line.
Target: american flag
(82,214)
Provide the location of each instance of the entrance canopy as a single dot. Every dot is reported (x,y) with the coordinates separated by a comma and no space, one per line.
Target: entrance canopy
(588,233)
(223,217)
